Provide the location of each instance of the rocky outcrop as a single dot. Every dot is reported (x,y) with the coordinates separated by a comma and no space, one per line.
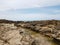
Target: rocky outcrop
(29,33)
(48,28)
(15,36)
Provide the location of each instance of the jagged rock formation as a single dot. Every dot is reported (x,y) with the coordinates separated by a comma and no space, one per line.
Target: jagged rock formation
(49,28)
(30,33)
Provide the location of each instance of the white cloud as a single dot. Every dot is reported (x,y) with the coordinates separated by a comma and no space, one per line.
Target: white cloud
(19,4)
(56,11)
(28,17)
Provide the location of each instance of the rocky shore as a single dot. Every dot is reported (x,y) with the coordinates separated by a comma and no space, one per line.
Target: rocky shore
(46,32)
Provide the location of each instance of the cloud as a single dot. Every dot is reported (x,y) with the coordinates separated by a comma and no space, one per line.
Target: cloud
(45,10)
(29,9)
(29,17)
(21,4)
(56,11)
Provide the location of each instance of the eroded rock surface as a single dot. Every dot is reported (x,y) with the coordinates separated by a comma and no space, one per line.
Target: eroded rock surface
(29,33)
(15,37)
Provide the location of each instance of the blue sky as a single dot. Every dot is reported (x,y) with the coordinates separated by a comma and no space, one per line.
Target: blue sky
(28,10)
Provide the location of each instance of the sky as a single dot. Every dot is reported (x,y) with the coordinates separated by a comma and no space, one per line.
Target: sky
(29,10)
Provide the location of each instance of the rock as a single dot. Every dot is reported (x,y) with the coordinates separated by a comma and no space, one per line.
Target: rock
(16,37)
(29,33)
